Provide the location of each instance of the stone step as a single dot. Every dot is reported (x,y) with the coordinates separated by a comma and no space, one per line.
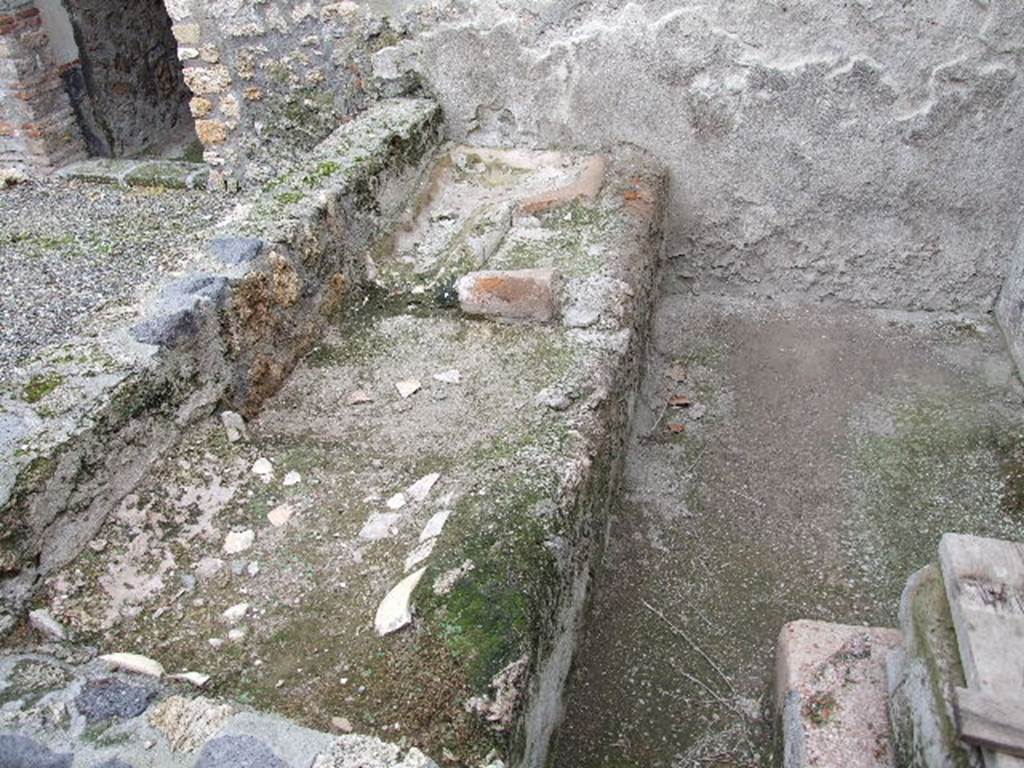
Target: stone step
(405,539)
(80,424)
(168,174)
(831,695)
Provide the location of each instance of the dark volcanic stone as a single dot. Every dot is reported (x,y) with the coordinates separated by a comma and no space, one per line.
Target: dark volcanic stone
(238,752)
(113,698)
(23,752)
(236,250)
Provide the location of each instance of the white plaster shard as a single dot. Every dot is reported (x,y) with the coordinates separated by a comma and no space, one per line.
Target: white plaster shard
(408,388)
(418,555)
(238,541)
(422,487)
(235,613)
(263,469)
(435,526)
(280,515)
(395,610)
(197,679)
(453,376)
(133,662)
(379,526)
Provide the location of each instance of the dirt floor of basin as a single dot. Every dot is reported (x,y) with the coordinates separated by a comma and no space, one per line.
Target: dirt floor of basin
(786,463)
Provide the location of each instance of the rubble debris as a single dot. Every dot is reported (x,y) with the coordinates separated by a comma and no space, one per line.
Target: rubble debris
(234,426)
(43,622)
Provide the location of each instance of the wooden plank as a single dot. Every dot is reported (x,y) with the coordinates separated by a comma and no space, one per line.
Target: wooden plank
(991,722)
(984,581)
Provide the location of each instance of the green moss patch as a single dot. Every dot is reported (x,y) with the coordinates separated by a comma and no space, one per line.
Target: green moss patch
(948,463)
(40,386)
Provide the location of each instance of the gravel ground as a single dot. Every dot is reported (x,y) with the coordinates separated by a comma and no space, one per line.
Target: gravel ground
(68,249)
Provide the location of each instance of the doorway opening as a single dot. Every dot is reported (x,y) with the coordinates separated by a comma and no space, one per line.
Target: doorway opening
(129,92)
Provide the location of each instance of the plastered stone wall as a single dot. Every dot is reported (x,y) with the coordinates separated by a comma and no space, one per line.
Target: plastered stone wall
(37,122)
(270,80)
(867,151)
(137,97)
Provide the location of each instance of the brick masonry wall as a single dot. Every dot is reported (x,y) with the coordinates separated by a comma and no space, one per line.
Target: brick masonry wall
(37,124)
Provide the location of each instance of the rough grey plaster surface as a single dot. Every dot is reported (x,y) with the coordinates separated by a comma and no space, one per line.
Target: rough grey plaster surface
(137,95)
(1010,308)
(865,151)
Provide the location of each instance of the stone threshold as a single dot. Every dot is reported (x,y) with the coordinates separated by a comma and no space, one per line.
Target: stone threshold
(168,174)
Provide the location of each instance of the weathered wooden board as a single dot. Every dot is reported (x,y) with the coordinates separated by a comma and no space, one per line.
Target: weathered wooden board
(984,581)
(993,722)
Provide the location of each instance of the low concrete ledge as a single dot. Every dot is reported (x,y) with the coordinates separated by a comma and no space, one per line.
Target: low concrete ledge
(81,424)
(78,428)
(425,497)
(303,242)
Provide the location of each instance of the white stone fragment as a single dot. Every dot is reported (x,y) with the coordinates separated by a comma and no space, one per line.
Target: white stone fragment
(434,526)
(395,611)
(379,526)
(235,426)
(263,469)
(238,541)
(360,397)
(421,553)
(422,487)
(42,621)
(408,388)
(292,478)
(10,177)
(208,567)
(133,662)
(341,725)
(236,634)
(453,376)
(235,613)
(198,679)
(397,501)
(280,515)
